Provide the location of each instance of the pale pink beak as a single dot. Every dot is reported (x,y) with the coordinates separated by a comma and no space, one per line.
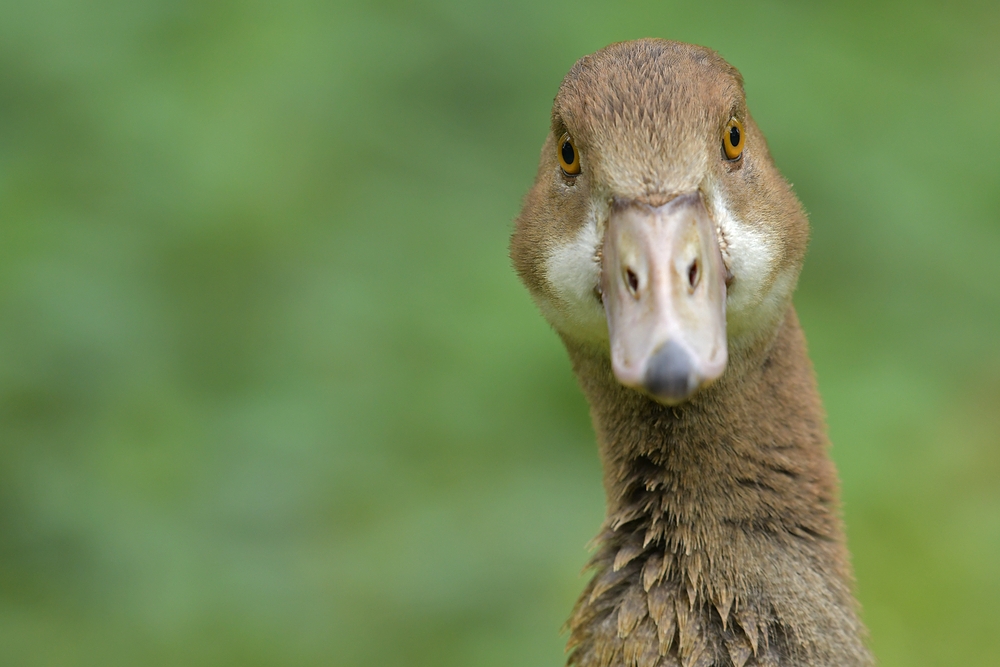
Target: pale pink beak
(664,291)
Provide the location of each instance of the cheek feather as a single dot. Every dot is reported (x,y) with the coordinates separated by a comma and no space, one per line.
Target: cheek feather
(759,292)
(573,272)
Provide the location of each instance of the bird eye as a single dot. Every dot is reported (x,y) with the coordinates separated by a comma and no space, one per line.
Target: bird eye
(569,159)
(733,139)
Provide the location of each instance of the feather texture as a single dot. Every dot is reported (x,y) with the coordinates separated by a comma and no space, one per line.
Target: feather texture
(722,544)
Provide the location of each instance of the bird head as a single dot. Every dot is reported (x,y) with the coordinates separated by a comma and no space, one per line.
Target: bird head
(658,229)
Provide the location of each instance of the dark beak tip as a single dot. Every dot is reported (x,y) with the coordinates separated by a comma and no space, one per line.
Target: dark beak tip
(670,375)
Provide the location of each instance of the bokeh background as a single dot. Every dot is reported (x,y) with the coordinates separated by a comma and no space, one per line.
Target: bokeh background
(270,393)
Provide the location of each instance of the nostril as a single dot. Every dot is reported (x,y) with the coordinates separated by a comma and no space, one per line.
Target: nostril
(693,274)
(632,280)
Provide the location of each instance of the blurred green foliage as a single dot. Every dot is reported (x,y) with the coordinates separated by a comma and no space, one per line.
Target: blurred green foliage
(270,393)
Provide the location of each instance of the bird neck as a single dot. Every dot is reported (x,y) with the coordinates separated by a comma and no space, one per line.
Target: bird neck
(722,514)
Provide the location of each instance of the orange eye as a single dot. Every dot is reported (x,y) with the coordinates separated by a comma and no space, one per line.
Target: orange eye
(733,139)
(569,159)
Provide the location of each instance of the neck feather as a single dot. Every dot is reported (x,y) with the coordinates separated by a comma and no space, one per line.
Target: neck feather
(722,543)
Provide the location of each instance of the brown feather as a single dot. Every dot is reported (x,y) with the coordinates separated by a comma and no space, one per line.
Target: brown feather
(728,503)
(628,553)
(652,570)
(640,647)
(725,601)
(738,647)
(748,621)
(607,579)
(605,639)
(691,638)
(632,610)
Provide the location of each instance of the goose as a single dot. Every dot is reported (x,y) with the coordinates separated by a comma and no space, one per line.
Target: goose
(663,246)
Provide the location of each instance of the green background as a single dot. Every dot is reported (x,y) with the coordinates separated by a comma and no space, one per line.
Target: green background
(271,394)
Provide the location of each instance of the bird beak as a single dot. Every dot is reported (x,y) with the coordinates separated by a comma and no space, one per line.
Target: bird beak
(664,292)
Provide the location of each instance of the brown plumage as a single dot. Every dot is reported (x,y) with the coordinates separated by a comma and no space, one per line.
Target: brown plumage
(722,544)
